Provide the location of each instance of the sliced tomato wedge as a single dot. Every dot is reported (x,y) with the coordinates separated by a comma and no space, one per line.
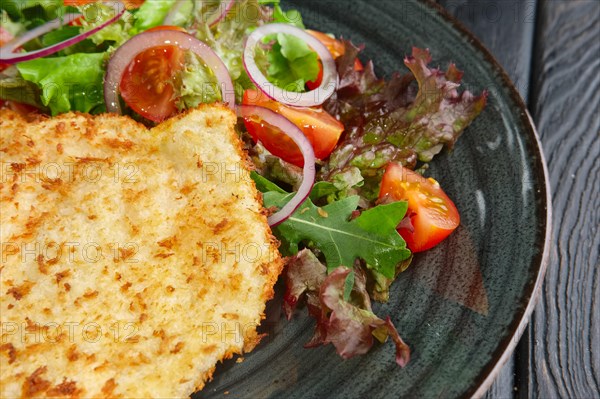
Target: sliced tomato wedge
(432,216)
(358,66)
(322,130)
(130,4)
(24,110)
(5,37)
(147,85)
(77,21)
(78,2)
(335,47)
(313,84)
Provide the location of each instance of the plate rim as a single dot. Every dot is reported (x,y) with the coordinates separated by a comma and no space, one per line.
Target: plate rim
(539,263)
(532,291)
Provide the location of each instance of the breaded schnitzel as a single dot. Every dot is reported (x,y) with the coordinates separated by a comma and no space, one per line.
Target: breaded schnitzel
(132,260)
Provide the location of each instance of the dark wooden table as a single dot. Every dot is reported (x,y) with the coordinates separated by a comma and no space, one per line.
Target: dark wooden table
(551,50)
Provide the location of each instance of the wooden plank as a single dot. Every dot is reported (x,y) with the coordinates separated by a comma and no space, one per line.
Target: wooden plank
(565,97)
(506,28)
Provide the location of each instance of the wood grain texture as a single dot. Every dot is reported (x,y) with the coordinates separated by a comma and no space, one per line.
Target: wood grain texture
(507,29)
(564,337)
(558,356)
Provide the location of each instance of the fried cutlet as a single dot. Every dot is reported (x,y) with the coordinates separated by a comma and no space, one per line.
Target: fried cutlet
(132,260)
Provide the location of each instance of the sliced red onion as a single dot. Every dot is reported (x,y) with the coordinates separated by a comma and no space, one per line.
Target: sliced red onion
(308,99)
(294,133)
(146,40)
(7,52)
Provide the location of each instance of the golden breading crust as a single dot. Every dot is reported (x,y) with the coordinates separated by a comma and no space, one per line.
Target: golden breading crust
(132,260)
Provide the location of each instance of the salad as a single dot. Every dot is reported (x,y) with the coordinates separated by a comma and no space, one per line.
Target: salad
(339,154)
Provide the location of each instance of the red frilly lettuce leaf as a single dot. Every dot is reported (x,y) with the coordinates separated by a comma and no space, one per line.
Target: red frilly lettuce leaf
(344,317)
(304,274)
(397,120)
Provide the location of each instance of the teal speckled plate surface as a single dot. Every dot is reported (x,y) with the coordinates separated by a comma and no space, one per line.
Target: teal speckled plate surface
(461,306)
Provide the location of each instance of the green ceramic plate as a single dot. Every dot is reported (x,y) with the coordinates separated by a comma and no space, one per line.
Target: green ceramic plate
(462,306)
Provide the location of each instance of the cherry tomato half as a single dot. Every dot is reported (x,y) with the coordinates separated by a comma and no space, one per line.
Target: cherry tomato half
(147,85)
(335,47)
(322,130)
(432,214)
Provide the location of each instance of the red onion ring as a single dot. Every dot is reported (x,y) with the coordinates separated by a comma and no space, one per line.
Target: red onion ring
(294,133)
(309,99)
(146,40)
(7,52)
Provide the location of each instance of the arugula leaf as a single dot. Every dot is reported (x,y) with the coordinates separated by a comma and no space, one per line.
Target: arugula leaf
(73,82)
(372,236)
(265,185)
(323,189)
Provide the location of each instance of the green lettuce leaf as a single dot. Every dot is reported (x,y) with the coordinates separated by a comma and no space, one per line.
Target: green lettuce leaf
(292,65)
(114,34)
(291,17)
(150,14)
(15,88)
(371,236)
(73,82)
(198,83)
(227,38)
(30,11)
(183,14)
(12,27)
(288,62)
(59,35)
